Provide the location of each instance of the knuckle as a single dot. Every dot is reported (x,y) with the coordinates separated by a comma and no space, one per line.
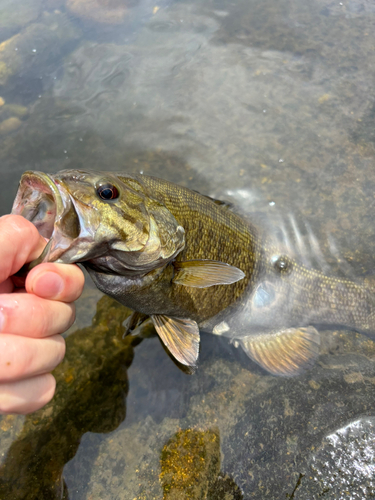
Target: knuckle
(41,316)
(60,349)
(14,361)
(23,362)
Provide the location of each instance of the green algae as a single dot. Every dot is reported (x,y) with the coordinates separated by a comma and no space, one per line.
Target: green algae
(190,461)
(190,468)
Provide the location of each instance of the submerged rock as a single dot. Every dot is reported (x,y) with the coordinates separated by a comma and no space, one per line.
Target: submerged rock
(343,466)
(31,52)
(190,468)
(101,11)
(8,110)
(190,462)
(15,14)
(10,125)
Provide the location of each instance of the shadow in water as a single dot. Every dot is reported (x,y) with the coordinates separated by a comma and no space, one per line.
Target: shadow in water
(92,385)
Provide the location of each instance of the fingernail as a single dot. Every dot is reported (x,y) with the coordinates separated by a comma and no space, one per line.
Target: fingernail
(49,285)
(2,319)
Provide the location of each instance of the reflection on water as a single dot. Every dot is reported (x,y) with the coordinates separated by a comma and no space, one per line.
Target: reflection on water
(269,104)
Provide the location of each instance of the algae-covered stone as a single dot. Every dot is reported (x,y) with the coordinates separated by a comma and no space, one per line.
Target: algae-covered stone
(11,116)
(190,468)
(7,110)
(32,51)
(101,11)
(190,463)
(10,125)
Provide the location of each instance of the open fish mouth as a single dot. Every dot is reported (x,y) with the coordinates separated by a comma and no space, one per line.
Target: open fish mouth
(46,203)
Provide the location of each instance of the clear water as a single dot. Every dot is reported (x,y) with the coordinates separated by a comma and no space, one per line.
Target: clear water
(269,104)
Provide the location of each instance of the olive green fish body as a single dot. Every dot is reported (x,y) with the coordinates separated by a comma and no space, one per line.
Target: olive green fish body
(211,232)
(187,260)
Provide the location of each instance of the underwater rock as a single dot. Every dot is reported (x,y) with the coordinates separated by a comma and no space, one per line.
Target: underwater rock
(269,427)
(190,462)
(190,468)
(225,488)
(343,466)
(8,110)
(10,125)
(32,51)
(14,14)
(101,11)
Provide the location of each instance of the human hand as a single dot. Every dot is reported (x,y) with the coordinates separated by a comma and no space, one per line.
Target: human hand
(30,323)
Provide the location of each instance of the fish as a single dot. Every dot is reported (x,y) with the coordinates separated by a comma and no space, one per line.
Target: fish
(191,263)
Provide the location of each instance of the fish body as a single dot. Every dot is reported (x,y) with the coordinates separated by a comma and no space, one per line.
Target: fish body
(211,232)
(189,261)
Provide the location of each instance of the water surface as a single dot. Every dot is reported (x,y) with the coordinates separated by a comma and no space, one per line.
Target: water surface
(269,104)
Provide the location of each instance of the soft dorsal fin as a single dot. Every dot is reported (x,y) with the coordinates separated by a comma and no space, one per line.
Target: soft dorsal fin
(180,336)
(286,352)
(205,273)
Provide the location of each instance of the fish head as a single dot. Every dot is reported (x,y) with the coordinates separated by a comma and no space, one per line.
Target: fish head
(106,219)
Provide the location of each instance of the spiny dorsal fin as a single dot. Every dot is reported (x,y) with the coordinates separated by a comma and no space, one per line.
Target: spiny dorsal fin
(221,203)
(205,273)
(285,352)
(180,336)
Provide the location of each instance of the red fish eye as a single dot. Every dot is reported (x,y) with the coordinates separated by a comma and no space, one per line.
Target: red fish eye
(108,192)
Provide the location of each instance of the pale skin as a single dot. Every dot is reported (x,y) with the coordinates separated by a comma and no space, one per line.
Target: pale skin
(33,314)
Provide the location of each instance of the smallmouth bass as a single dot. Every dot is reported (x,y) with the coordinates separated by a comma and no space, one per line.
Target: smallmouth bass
(189,261)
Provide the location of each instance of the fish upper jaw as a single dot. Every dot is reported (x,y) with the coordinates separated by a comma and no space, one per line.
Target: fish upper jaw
(69,225)
(38,200)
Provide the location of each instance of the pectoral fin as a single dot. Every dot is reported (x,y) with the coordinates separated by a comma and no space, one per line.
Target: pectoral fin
(205,273)
(180,336)
(286,352)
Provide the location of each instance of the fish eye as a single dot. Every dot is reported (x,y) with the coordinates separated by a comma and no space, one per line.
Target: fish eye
(108,192)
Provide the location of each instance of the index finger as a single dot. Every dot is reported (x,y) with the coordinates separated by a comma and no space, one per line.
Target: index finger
(20,242)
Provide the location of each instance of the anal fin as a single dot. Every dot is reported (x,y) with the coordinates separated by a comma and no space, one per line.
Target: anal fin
(180,336)
(286,352)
